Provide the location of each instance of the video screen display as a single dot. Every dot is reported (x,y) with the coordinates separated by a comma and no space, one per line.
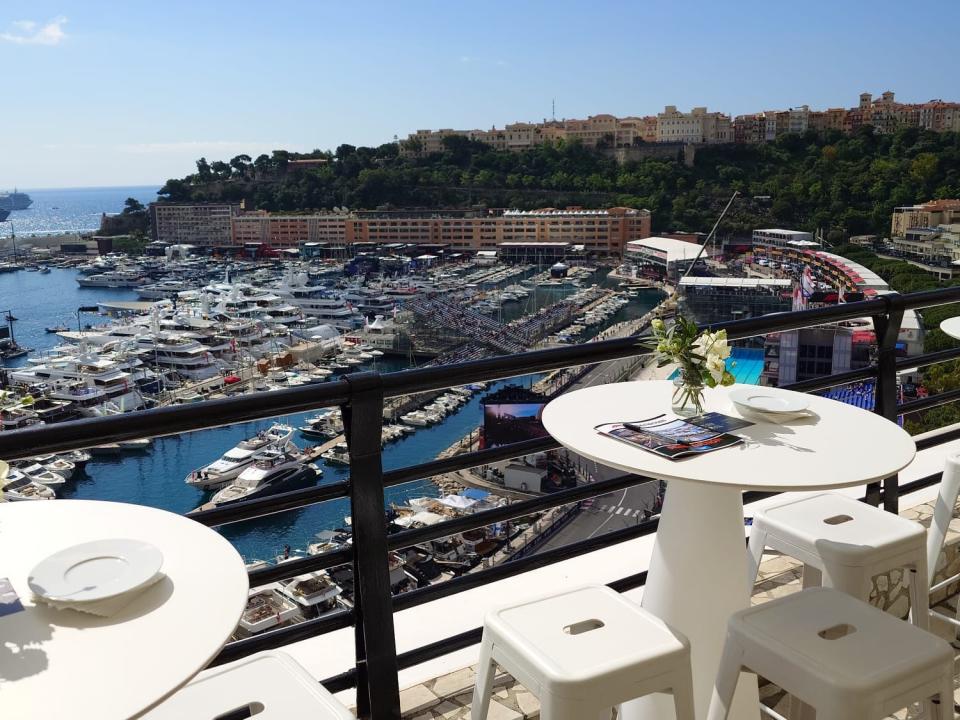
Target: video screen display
(505,423)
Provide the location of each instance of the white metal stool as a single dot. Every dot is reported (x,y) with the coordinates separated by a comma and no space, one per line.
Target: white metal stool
(266,686)
(842,656)
(582,652)
(843,543)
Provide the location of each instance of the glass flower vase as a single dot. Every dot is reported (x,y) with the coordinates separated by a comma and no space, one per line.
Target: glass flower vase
(687,397)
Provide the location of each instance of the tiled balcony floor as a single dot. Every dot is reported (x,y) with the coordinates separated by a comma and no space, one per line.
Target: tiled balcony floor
(448,697)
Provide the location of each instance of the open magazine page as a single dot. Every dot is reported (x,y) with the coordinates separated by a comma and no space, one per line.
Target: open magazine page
(674,438)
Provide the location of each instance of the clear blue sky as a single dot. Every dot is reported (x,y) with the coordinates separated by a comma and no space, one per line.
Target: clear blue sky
(109,93)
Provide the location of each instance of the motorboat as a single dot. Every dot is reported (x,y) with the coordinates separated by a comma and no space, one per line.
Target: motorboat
(19,487)
(223,470)
(38,473)
(267,608)
(271,471)
(59,465)
(418,418)
(339,454)
(314,592)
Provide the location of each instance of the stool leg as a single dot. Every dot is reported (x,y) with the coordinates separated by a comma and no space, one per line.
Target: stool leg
(919,595)
(683,695)
(483,685)
(758,541)
(726,683)
(945,708)
(812,577)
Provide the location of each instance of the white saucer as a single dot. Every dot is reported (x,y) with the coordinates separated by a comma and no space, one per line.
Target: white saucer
(769,402)
(96,570)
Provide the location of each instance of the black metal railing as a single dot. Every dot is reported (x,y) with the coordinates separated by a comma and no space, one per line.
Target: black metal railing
(361,397)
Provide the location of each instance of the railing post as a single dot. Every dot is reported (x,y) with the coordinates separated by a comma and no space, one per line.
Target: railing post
(887,329)
(378,692)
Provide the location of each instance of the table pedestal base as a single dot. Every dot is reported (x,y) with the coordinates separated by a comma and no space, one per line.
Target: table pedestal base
(697,580)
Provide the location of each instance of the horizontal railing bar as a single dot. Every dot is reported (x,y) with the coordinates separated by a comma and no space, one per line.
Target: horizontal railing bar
(926,298)
(468,460)
(284,636)
(521,565)
(464,523)
(270,505)
(931,358)
(292,568)
(947,396)
(938,439)
(155,422)
(296,499)
(829,381)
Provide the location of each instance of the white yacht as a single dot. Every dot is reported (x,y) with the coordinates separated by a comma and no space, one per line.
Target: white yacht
(163,289)
(59,465)
(95,383)
(271,471)
(222,471)
(113,279)
(179,352)
(319,304)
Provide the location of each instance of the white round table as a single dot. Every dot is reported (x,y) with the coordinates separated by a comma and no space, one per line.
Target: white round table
(951,326)
(68,664)
(698,573)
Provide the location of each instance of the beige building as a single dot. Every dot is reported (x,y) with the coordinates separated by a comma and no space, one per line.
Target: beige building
(697,126)
(928,215)
(202,224)
(603,232)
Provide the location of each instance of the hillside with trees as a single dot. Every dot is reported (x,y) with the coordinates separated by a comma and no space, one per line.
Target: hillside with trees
(846,185)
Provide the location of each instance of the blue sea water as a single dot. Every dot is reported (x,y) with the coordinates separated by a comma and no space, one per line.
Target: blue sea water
(62,210)
(155,477)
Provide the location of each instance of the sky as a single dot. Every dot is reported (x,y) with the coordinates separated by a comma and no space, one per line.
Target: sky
(105,93)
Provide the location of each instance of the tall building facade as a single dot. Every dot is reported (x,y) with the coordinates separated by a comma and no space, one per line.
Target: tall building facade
(202,224)
(602,232)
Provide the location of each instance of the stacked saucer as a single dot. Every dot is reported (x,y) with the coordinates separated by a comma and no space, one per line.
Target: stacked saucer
(99,577)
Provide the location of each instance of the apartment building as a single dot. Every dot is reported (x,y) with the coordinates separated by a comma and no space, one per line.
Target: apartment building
(602,232)
(927,215)
(201,224)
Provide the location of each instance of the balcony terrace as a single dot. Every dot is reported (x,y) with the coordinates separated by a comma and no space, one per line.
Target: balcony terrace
(421,641)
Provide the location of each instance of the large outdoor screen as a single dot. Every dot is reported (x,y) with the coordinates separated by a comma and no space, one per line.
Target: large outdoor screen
(505,423)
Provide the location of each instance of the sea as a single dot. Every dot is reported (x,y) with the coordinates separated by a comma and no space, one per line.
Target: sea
(156,476)
(65,210)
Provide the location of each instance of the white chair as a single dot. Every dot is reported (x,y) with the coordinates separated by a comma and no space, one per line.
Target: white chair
(582,652)
(937,535)
(843,543)
(266,686)
(845,658)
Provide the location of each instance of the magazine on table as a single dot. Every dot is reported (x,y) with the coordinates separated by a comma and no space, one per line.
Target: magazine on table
(674,438)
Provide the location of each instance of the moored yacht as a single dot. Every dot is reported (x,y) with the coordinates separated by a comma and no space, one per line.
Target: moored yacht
(272,470)
(314,592)
(220,472)
(18,486)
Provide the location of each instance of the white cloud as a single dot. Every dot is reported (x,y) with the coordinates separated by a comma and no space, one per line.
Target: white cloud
(30,32)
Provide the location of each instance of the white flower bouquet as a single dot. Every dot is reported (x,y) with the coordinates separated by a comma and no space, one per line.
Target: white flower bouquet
(701,357)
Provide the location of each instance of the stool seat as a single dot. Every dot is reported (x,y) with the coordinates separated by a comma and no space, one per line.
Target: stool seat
(584,634)
(838,654)
(582,652)
(844,544)
(268,686)
(852,533)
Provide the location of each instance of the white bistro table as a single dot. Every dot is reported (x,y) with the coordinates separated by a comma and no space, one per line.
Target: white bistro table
(951,327)
(68,664)
(698,573)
